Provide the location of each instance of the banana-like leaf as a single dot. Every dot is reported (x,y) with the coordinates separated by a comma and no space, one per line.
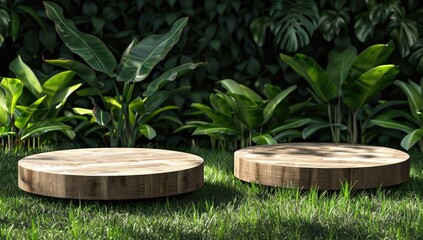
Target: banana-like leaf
(147,131)
(101,117)
(40,128)
(112,103)
(82,70)
(220,105)
(13,89)
(152,115)
(392,124)
(27,76)
(316,77)
(248,112)
(148,52)
(240,89)
(339,65)
(83,111)
(264,139)
(60,98)
(362,90)
(369,58)
(289,124)
(26,115)
(4,115)
(55,84)
(211,130)
(128,50)
(154,101)
(5,131)
(168,76)
(290,133)
(215,116)
(274,102)
(412,138)
(137,106)
(308,131)
(415,100)
(87,46)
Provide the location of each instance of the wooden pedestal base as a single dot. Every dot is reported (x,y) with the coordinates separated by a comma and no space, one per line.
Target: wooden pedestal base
(322,165)
(111,173)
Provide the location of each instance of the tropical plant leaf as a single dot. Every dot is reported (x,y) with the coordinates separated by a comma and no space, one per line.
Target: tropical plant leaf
(415,100)
(248,112)
(264,139)
(148,52)
(293,23)
(147,131)
(316,77)
(62,96)
(404,31)
(87,46)
(83,111)
(369,58)
(412,138)
(240,89)
(289,124)
(362,90)
(310,130)
(13,89)
(101,117)
(331,22)
(364,27)
(258,29)
(211,130)
(220,105)
(416,56)
(33,14)
(26,115)
(290,133)
(392,124)
(147,118)
(40,128)
(168,76)
(339,65)
(82,70)
(137,106)
(55,84)
(270,107)
(27,76)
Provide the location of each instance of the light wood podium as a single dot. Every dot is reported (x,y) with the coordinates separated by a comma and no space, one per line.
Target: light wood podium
(111,173)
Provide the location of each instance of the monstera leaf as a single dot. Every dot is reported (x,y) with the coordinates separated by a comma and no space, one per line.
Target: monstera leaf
(293,23)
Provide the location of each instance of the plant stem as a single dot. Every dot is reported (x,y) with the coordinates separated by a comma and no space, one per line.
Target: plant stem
(354,127)
(334,137)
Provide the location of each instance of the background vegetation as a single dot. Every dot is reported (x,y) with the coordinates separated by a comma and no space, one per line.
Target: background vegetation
(239,40)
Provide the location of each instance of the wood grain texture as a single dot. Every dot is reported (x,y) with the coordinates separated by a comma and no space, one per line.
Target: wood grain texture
(322,165)
(111,173)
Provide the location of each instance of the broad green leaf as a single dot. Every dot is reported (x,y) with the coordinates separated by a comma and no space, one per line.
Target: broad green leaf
(211,129)
(415,100)
(412,138)
(168,76)
(154,101)
(26,115)
(87,46)
(339,65)
(215,116)
(69,133)
(27,76)
(258,27)
(369,58)
(148,52)
(274,102)
(128,50)
(15,25)
(101,117)
(316,77)
(240,89)
(310,130)
(56,84)
(293,23)
(60,98)
(362,90)
(270,91)
(219,104)
(33,14)
(137,106)
(392,124)
(289,124)
(147,131)
(5,131)
(290,133)
(112,103)
(40,128)
(249,114)
(82,70)
(83,111)
(264,139)
(152,115)
(4,115)
(13,89)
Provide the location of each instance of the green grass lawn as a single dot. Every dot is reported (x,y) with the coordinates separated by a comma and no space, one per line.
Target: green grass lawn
(225,208)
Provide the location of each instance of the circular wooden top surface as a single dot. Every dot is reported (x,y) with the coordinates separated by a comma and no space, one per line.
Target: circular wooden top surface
(322,155)
(110,161)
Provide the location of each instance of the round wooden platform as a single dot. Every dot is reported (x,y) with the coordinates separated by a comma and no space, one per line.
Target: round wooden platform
(111,173)
(322,165)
